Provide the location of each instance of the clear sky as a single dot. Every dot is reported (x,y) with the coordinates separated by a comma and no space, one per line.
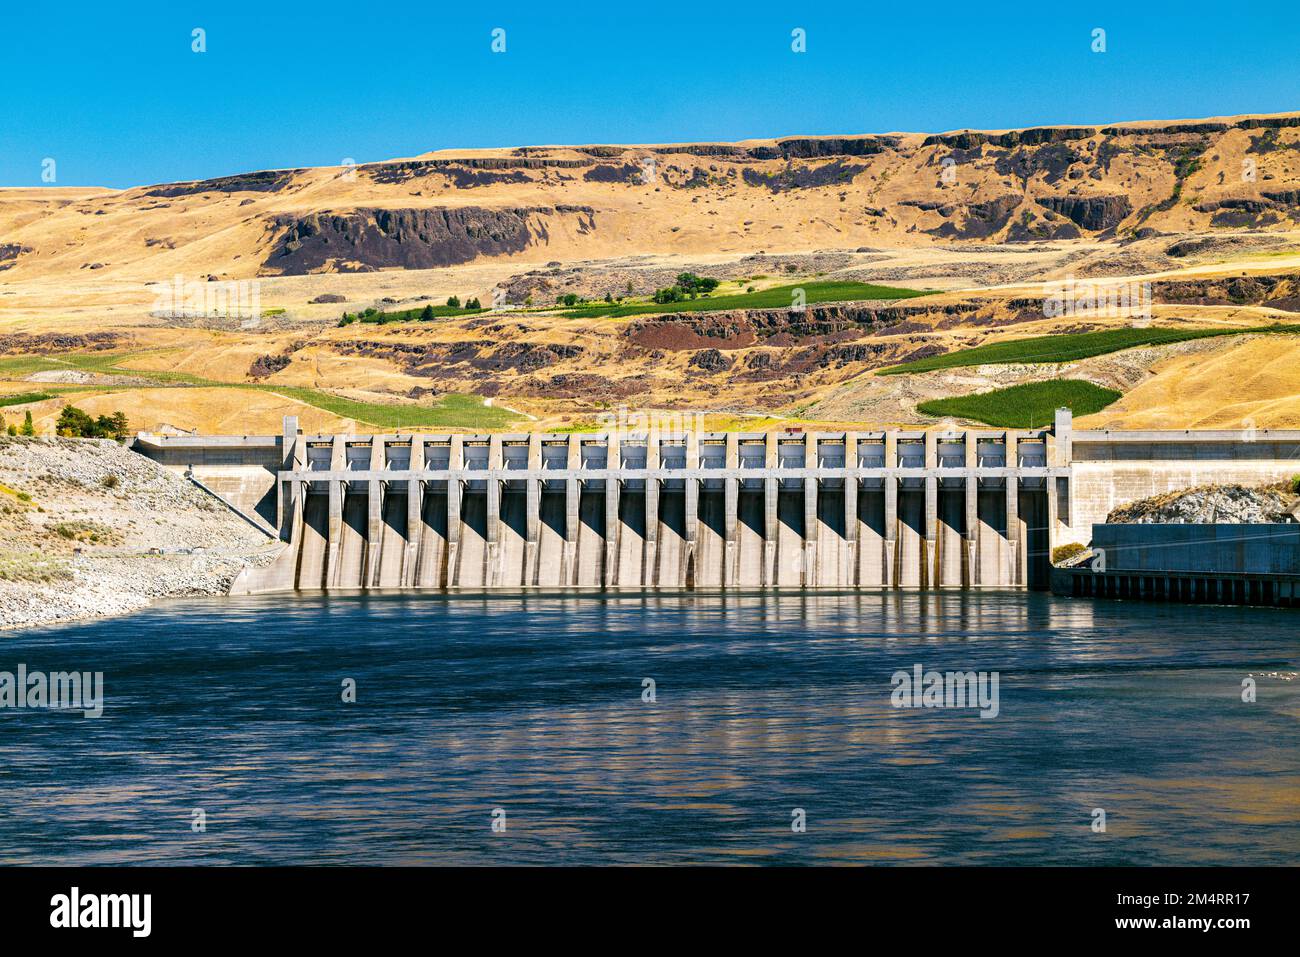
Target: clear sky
(115,95)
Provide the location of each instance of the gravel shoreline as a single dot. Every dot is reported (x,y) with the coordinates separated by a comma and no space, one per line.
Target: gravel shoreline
(90,529)
(105,586)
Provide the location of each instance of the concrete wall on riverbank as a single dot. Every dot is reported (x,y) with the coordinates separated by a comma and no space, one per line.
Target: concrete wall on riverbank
(1111,468)
(1245,564)
(1272,549)
(240,468)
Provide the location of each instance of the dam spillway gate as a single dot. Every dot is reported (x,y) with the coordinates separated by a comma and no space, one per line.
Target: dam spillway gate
(696,510)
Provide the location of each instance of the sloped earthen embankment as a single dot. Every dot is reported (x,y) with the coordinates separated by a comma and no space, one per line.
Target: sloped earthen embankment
(89,528)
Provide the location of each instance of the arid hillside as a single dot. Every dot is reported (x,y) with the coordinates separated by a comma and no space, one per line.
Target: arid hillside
(217,305)
(588,202)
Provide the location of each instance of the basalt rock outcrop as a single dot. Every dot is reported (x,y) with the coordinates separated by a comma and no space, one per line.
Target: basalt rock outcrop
(9,253)
(607,173)
(977,220)
(1090,212)
(1252,212)
(800,147)
(264,181)
(821,323)
(710,360)
(264,366)
(50,343)
(1279,292)
(1037,136)
(807,148)
(1053,160)
(401,170)
(363,239)
(803,177)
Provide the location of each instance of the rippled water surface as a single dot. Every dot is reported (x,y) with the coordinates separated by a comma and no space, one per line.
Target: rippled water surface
(533,704)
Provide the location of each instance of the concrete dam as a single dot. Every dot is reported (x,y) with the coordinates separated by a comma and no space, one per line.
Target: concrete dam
(971,508)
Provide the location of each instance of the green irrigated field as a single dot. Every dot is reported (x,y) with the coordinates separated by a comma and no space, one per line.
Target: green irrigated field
(22,398)
(449,411)
(102,363)
(777,297)
(1069,348)
(1027,406)
(420,314)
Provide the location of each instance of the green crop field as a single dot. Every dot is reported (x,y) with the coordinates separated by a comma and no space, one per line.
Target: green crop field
(101,363)
(18,366)
(408,315)
(1069,348)
(1027,406)
(450,411)
(22,398)
(778,297)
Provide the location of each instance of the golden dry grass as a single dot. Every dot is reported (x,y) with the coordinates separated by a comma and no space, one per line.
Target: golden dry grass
(137,240)
(1249,384)
(222,411)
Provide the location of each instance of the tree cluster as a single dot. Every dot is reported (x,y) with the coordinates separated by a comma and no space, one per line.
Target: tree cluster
(75,423)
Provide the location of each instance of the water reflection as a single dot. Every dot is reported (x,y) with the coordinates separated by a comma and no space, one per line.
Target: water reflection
(533,703)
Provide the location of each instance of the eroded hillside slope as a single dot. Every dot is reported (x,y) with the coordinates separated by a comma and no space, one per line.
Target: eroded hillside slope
(1203,214)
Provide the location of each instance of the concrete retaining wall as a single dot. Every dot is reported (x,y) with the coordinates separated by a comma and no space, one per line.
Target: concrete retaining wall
(1230,549)
(1113,468)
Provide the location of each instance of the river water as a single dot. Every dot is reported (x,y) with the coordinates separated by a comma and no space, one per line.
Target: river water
(531,711)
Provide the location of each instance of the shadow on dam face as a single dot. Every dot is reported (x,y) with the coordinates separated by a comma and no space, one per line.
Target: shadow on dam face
(471,557)
(313,546)
(350,561)
(550,542)
(392,550)
(431,554)
(631,545)
(910,572)
(590,557)
(711,532)
(514,536)
(750,549)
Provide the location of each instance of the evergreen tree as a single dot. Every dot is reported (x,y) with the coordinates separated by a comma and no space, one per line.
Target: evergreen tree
(118,426)
(74,422)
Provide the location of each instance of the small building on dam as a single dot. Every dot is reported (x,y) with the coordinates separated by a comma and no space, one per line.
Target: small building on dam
(970,508)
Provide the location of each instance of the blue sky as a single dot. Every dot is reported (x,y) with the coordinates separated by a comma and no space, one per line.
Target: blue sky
(115,95)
